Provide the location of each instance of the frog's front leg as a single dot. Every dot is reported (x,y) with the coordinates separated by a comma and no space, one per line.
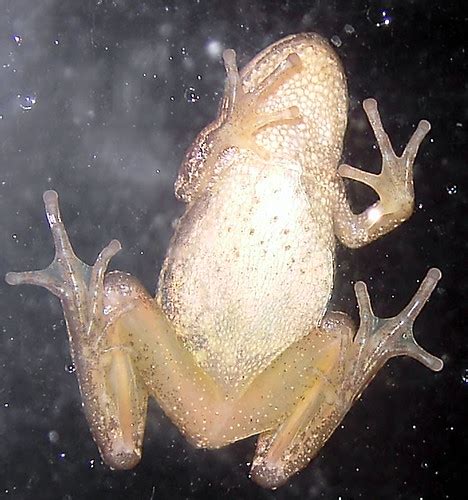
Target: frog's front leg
(241,117)
(239,120)
(394,186)
(289,448)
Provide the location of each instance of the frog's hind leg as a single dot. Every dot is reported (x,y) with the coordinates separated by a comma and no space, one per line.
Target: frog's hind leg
(114,403)
(287,449)
(123,349)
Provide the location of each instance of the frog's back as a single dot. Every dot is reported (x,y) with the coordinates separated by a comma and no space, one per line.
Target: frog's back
(250,267)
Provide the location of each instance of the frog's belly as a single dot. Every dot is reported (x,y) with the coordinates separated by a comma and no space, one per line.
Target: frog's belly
(249,272)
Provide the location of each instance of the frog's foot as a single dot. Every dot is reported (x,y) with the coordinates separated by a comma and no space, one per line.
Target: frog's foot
(283,451)
(394,184)
(101,364)
(77,285)
(240,110)
(379,339)
(288,448)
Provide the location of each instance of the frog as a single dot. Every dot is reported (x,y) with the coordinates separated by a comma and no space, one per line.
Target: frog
(239,339)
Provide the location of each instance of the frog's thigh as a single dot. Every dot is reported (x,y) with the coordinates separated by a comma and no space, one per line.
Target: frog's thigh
(164,367)
(290,446)
(208,414)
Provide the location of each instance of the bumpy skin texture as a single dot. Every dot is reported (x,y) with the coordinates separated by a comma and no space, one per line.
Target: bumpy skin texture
(238,341)
(261,232)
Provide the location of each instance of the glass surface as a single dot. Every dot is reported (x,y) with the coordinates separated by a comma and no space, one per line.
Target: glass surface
(99,100)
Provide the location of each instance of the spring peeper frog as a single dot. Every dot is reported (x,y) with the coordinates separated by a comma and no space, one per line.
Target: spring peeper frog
(238,340)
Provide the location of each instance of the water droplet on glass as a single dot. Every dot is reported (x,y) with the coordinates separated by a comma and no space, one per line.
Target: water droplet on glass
(70,368)
(386,19)
(336,41)
(348,29)
(191,95)
(424,465)
(26,102)
(18,40)
(464,376)
(451,189)
(53,437)
(381,18)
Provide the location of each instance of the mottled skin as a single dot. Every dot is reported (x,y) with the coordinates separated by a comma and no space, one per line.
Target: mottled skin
(238,341)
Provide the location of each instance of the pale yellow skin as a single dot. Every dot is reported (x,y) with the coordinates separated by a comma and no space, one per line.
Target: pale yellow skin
(238,341)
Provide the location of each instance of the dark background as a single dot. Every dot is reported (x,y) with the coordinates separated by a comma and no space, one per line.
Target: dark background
(98,100)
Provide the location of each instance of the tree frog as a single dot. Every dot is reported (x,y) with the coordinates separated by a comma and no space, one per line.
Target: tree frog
(238,340)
